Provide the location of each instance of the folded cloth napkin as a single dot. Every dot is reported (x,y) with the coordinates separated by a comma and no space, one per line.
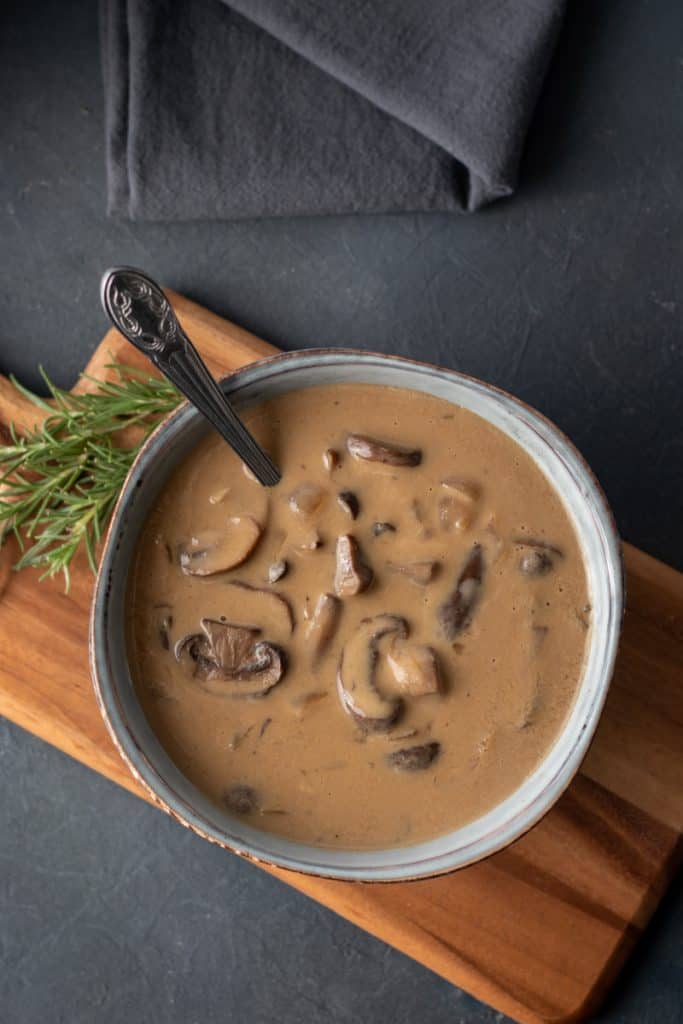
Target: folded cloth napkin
(271,107)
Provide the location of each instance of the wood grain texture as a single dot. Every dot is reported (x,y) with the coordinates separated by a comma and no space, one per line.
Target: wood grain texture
(540,930)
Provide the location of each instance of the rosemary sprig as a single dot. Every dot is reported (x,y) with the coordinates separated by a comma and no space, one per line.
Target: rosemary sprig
(59,482)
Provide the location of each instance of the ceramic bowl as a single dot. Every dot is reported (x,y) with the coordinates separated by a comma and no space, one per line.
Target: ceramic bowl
(590,515)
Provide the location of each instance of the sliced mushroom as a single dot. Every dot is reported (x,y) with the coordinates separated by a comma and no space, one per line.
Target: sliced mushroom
(259,606)
(277,570)
(322,626)
(331,459)
(230,662)
(241,799)
(414,759)
(306,499)
(415,668)
(164,629)
(368,449)
(352,575)
(379,528)
(420,572)
(455,613)
(219,550)
(356,684)
(348,502)
(535,563)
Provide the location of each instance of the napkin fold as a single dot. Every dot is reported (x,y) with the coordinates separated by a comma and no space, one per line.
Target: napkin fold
(251,108)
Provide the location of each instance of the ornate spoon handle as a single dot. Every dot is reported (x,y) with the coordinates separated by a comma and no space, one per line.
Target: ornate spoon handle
(137,306)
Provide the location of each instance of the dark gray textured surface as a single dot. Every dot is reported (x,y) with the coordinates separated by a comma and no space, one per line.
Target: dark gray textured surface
(570,295)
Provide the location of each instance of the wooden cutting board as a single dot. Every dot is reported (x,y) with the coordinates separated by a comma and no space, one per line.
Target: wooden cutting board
(540,930)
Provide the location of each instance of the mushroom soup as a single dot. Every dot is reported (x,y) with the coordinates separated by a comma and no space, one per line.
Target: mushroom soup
(376,651)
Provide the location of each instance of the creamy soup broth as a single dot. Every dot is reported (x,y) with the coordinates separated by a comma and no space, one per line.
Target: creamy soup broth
(265,683)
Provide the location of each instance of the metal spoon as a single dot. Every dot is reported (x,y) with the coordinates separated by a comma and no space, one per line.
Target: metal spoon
(139,309)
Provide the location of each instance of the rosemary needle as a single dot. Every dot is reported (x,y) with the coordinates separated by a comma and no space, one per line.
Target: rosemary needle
(59,482)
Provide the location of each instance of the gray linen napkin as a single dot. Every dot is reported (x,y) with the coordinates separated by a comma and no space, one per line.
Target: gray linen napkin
(280,107)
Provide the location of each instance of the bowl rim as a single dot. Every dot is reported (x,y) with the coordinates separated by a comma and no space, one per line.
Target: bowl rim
(162,793)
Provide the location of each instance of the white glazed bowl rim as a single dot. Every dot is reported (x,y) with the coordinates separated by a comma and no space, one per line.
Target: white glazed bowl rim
(598,538)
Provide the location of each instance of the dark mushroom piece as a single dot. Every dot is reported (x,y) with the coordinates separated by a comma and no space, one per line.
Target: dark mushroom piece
(356,683)
(229,660)
(348,502)
(331,459)
(414,759)
(421,572)
(241,799)
(164,630)
(538,557)
(455,613)
(369,449)
(352,575)
(379,528)
(322,626)
(219,550)
(535,563)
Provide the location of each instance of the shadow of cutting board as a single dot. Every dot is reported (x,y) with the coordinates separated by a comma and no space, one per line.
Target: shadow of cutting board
(540,930)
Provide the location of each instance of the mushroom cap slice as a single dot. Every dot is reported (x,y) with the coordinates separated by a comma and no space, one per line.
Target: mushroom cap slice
(321,627)
(349,503)
(215,551)
(415,668)
(538,556)
(414,759)
(535,563)
(230,661)
(352,575)
(455,613)
(356,685)
(369,449)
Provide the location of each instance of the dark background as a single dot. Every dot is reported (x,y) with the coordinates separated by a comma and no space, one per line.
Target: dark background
(569,294)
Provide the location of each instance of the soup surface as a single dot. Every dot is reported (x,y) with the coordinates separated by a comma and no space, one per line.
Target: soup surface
(379,649)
